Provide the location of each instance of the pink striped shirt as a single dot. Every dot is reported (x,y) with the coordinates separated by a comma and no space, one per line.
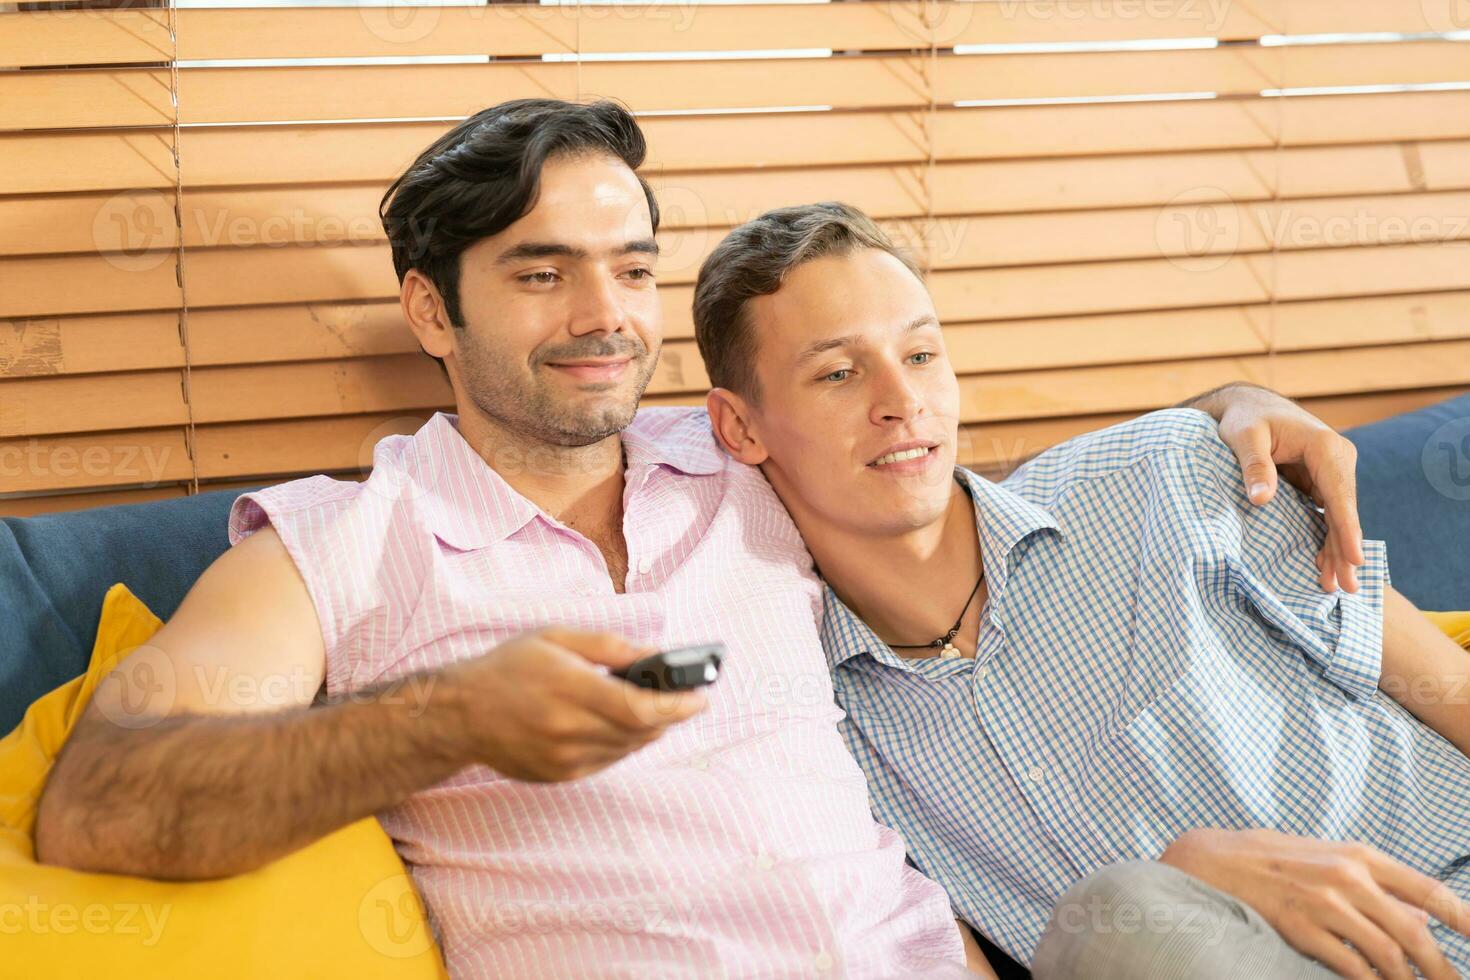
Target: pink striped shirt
(739,844)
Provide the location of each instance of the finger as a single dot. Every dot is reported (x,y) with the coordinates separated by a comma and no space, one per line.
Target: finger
(1334,477)
(1407,928)
(1327,567)
(1421,891)
(1328,950)
(607,649)
(1252,447)
(1371,942)
(637,709)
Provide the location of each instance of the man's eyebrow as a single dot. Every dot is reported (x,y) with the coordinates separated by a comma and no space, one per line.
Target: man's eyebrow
(832,343)
(546,250)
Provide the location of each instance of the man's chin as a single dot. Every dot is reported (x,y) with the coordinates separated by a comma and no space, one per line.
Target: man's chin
(587,427)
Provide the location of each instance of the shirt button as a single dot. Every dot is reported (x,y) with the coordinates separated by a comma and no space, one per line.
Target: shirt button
(1036,774)
(645,565)
(700,763)
(823,961)
(983,672)
(765,862)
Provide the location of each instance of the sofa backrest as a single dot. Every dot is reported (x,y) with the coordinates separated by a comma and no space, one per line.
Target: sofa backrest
(55,569)
(1414,493)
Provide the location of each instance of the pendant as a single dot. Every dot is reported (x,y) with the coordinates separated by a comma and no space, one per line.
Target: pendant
(949,652)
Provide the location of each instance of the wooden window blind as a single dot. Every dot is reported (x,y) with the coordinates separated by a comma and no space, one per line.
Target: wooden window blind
(1120,203)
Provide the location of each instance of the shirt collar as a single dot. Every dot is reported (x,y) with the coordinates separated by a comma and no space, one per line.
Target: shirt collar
(465,502)
(1004,518)
(678,438)
(469,505)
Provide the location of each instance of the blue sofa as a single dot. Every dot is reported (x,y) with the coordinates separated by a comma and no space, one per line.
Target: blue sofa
(1414,486)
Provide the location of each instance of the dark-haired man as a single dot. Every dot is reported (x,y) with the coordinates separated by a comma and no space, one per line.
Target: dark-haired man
(1097,660)
(460,609)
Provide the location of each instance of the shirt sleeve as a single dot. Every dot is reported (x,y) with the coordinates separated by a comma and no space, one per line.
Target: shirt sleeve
(301,512)
(1269,556)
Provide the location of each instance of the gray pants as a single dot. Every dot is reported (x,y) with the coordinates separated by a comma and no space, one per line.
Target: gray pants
(1141,920)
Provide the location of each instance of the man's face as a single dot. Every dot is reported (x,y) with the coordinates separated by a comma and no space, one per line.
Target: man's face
(852,370)
(562,322)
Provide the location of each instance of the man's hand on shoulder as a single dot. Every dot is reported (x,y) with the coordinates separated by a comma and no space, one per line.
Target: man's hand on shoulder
(1267,431)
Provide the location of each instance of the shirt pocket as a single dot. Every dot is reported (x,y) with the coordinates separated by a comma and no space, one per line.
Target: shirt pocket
(1311,623)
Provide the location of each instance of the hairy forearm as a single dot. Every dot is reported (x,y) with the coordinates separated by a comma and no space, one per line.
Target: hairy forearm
(1214,401)
(204,796)
(1425,671)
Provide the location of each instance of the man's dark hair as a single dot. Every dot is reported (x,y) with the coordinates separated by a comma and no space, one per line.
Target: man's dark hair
(753,260)
(484,175)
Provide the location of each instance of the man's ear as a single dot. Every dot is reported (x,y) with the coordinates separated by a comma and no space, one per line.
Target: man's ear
(423,308)
(730,416)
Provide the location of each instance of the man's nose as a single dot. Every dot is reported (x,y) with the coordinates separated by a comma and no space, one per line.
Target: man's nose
(896,399)
(599,308)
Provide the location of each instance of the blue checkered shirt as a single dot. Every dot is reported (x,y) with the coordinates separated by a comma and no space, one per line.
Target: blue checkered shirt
(1155,655)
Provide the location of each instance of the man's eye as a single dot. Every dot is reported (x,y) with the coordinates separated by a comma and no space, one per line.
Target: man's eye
(541,277)
(838,375)
(927,357)
(640,273)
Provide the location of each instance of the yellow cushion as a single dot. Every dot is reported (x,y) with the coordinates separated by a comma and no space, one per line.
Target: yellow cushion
(1456,625)
(342,907)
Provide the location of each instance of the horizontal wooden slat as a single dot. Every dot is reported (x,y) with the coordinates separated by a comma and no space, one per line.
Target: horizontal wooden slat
(1006,371)
(237,277)
(378,152)
(94,459)
(995,398)
(1108,287)
(1248,218)
(1138,387)
(130,222)
(30,506)
(298,445)
(1187,184)
(89,344)
(997,448)
(35,406)
(263,335)
(141,97)
(51,37)
(254,453)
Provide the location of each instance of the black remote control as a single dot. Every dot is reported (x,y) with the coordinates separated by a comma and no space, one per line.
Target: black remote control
(676,670)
